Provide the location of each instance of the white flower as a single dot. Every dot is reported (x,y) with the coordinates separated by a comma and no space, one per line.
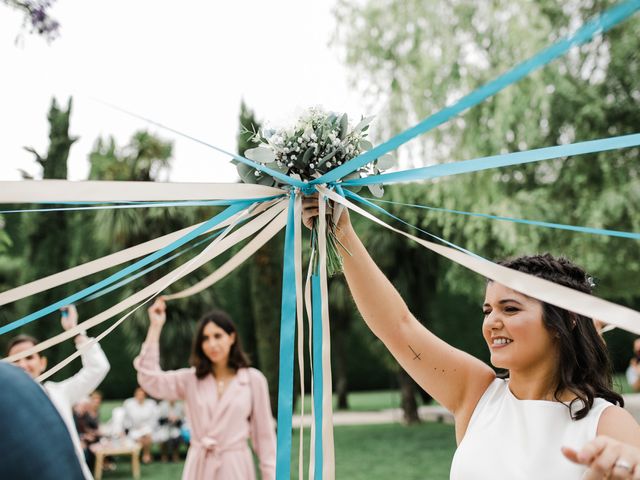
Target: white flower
(256,173)
(290,164)
(312,165)
(328,164)
(293,157)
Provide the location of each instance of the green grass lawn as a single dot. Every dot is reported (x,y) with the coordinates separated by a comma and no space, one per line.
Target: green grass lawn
(369,452)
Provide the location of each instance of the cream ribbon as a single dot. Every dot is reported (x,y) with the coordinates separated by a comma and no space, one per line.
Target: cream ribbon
(230,265)
(192,265)
(159,286)
(35,191)
(112,260)
(544,290)
(308,306)
(328,455)
(218,246)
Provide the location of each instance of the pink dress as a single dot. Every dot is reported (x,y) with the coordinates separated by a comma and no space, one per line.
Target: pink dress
(220,427)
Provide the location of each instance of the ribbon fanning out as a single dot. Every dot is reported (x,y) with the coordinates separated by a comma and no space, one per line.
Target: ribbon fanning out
(584,304)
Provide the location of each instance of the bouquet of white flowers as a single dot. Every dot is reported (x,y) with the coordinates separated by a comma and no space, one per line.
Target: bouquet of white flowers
(318,142)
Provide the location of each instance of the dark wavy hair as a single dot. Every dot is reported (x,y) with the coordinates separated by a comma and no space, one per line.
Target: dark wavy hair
(584,367)
(237,357)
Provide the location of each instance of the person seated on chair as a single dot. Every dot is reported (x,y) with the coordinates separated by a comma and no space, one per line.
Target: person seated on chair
(141,421)
(171,418)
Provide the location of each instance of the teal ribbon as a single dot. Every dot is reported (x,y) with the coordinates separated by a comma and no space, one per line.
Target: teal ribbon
(600,24)
(378,208)
(126,281)
(287,342)
(560,226)
(258,166)
(126,205)
(318,388)
(224,215)
(495,161)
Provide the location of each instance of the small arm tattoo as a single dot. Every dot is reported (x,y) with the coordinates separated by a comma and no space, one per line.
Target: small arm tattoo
(417,355)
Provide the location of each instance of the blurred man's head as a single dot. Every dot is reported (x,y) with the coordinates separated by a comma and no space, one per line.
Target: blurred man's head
(95,400)
(35,363)
(139,394)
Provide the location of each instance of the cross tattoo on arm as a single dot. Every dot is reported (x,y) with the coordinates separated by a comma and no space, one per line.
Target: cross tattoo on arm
(417,355)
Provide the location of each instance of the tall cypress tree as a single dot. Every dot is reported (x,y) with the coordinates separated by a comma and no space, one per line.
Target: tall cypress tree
(48,236)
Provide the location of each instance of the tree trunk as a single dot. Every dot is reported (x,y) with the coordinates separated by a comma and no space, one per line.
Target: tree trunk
(408,398)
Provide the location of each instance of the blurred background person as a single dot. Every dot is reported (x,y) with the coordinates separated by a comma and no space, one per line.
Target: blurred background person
(35,442)
(633,370)
(169,435)
(66,393)
(141,421)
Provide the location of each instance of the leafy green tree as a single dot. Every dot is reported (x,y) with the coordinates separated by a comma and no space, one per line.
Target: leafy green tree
(147,158)
(46,244)
(265,278)
(420,56)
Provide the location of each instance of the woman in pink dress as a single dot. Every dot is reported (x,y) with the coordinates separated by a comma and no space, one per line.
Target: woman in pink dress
(226,401)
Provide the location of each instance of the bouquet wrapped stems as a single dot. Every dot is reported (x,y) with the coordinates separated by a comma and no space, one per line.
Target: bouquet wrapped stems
(334,257)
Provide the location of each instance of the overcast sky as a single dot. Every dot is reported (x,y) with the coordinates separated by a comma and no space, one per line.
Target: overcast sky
(185,64)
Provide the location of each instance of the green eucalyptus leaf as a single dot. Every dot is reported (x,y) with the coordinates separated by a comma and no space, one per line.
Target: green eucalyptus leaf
(265,180)
(344,126)
(328,156)
(306,157)
(385,162)
(366,145)
(376,190)
(261,155)
(363,123)
(246,173)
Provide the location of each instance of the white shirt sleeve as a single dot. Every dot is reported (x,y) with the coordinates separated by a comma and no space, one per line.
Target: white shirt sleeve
(95,367)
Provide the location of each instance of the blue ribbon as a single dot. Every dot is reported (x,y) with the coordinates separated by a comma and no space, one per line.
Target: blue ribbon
(112,206)
(258,166)
(147,270)
(560,226)
(494,161)
(318,390)
(224,215)
(389,214)
(287,336)
(602,23)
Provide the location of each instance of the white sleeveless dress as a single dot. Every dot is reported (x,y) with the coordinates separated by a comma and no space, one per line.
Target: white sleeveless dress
(511,439)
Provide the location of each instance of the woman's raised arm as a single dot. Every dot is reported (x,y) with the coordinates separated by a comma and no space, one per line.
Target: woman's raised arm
(454,378)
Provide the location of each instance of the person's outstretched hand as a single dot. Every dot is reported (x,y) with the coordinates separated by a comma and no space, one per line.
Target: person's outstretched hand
(310,211)
(69,318)
(607,459)
(158,313)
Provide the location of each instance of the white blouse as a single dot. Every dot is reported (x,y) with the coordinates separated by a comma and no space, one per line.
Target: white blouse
(511,439)
(67,393)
